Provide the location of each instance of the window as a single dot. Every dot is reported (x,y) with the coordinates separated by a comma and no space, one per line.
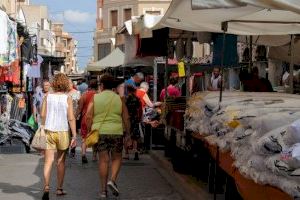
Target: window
(100,13)
(114,18)
(103,50)
(153,12)
(127,14)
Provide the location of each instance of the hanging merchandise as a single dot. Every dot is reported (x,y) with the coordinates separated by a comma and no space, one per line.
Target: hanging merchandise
(15,71)
(181,69)
(8,40)
(189,48)
(179,49)
(230,55)
(34,49)
(26,49)
(18,108)
(3,33)
(34,70)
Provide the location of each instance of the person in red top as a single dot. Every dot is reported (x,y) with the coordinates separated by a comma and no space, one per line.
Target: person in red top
(83,103)
(141,93)
(172,90)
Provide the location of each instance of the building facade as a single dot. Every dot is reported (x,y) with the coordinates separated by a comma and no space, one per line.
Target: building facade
(65,46)
(38,23)
(12,6)
(111,15)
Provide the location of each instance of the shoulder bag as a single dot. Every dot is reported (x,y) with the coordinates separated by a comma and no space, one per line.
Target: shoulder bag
(39,141)
(93,137)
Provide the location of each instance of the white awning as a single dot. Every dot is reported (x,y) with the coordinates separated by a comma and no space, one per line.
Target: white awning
(244,17)
(114,59)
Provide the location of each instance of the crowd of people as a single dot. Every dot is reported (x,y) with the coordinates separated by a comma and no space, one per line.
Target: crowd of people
(111,106)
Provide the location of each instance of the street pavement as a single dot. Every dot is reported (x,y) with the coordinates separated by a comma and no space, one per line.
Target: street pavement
(21,179)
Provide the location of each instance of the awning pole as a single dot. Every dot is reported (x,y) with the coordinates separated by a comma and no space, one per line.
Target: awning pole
(155,80)
(250,52)
(292,64)
(224,28)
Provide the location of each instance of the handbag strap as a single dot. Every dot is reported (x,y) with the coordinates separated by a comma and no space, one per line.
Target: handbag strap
(110,103)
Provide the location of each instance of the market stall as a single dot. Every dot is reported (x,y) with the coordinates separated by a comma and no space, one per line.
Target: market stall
(17,51)
(241,18)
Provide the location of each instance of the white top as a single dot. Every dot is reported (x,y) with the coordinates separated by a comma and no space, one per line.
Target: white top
(215,82)
(57,113)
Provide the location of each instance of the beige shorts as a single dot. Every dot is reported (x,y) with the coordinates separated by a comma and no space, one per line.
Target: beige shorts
(58,140)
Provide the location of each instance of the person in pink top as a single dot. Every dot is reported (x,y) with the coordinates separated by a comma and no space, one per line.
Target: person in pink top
(172,90)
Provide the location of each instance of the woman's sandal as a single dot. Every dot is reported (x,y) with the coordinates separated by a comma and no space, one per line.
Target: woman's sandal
(60,192)
(46,193)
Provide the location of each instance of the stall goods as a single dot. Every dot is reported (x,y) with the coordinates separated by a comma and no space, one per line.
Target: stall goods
(15,130)
(261,130)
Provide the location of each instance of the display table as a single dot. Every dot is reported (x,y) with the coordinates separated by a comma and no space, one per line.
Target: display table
(247,188)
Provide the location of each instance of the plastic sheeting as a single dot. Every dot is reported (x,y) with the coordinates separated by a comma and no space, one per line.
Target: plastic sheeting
(259,130)
(209,15)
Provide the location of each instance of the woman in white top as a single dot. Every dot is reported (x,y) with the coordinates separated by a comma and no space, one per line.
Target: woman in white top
(57,114)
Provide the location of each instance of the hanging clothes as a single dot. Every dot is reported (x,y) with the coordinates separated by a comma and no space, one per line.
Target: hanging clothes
(8,40)
(230,54)
(26,49)
(34,70)
(3,33)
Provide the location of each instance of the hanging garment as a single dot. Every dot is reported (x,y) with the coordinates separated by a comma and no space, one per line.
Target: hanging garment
(34,71)
(26,49)
(12,41)
(179,49)
(3,33)
(8,40)
(197,50)
(189,48)
(16,72)
(230,54)
(34,49)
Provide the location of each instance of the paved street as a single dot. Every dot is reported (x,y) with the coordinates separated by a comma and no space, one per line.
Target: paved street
(20,179)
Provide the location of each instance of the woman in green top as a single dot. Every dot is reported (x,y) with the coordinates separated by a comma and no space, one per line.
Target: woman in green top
(107,113)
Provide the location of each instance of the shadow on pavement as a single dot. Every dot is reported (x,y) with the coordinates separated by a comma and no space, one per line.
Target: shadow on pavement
(20,187)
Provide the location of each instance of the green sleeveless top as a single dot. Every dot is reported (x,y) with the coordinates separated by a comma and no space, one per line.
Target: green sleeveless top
(108,103)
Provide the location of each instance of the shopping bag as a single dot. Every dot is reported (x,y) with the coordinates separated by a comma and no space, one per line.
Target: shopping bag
(39,141)
(32,123)
(92,138)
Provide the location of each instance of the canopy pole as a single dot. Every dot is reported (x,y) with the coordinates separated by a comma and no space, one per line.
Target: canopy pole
(224,28)
(292,54)
(155,77)
(250,52)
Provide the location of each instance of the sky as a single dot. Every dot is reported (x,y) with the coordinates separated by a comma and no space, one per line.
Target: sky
(77,16)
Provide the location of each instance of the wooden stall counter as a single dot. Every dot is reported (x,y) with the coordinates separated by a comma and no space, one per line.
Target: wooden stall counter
(247,188)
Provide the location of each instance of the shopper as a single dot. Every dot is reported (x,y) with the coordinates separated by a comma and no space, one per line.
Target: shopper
(57,112)
(82,87)
(75,95)
(141,93)
(38,100)
(105,113)
(215,80)
(254,83)
(135,113)
(134,81)
(172,90)
(83,103)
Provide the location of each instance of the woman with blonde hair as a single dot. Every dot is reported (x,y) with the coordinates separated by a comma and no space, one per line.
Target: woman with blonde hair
(57,115)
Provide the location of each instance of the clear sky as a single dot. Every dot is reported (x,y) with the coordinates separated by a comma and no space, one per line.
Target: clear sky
(78,16)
